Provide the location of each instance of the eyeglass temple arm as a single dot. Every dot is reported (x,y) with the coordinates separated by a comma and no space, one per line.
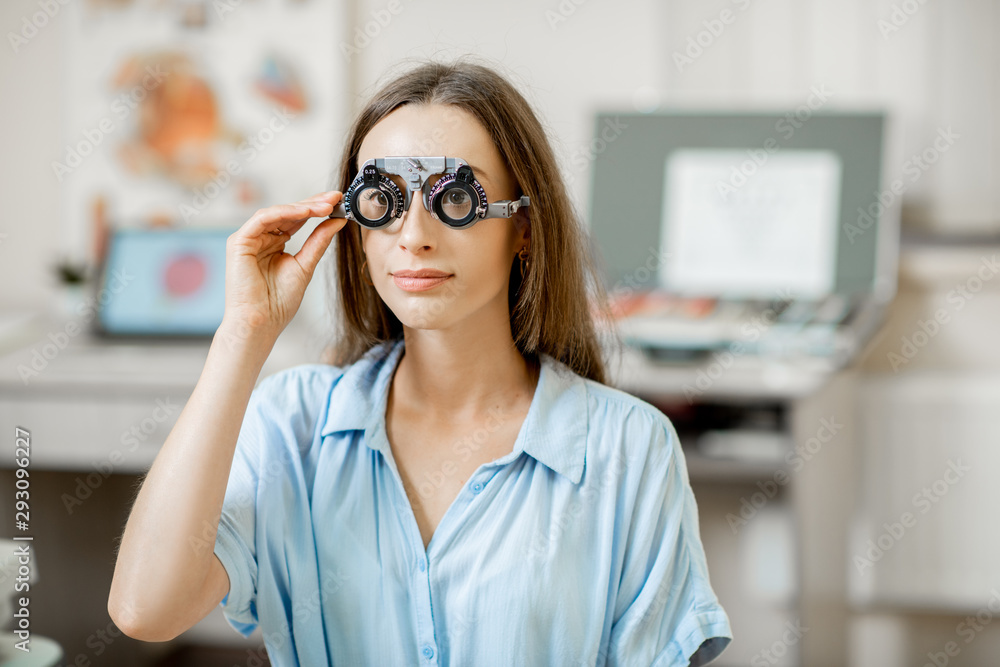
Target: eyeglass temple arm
(338,211)
(506,208)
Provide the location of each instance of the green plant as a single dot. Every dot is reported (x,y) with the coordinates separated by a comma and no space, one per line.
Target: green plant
(70,273)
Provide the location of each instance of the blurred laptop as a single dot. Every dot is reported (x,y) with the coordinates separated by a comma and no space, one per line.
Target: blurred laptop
(162,283)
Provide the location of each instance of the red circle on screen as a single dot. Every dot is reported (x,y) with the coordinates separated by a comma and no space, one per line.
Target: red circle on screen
(185,274)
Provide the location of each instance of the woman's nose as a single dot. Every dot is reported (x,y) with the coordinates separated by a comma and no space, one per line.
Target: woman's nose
(418,229)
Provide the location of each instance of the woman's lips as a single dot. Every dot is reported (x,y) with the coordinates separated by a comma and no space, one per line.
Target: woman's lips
(418,284)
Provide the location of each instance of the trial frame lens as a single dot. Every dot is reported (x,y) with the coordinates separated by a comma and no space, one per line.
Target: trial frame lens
(456,179)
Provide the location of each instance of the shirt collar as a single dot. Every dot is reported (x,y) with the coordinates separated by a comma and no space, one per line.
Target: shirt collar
(554,430)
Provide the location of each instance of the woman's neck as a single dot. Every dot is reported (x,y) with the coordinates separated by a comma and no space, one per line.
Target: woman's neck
(443,375)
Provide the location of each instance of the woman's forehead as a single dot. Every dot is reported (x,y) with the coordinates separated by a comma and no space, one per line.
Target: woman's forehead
(429,130)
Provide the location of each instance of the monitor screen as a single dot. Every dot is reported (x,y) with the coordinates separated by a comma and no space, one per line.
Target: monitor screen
(739,204)
(163,282)
(772,232)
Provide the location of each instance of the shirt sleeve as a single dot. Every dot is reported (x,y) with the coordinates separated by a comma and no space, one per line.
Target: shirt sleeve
(666,612)
(235,542)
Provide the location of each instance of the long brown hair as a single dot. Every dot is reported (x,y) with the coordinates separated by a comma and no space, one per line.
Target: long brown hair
(549,308)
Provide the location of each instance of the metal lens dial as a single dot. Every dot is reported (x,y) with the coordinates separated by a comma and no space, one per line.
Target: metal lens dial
(373,199)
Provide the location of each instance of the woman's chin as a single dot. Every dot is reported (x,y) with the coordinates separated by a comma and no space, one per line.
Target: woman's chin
(433,316)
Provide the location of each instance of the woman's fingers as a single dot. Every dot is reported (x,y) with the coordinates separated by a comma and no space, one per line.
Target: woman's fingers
(286,217)
(261,282)
(269,219)
(293,223)
(324,196)
(275,239)
(317,206)
(316,245)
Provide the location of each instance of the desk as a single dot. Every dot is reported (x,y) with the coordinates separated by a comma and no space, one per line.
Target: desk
(96,401)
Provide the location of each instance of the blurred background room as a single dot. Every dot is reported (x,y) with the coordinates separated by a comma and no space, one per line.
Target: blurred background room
(794,203)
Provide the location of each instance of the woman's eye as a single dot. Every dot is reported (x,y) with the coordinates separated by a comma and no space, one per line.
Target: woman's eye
(457,197)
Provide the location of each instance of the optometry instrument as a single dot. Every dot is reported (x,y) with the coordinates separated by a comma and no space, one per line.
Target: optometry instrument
(373,200)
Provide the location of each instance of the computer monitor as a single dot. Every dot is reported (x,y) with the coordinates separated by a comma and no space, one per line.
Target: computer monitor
(745,204)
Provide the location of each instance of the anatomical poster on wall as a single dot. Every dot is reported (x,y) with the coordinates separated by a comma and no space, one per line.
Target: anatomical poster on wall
(194,113)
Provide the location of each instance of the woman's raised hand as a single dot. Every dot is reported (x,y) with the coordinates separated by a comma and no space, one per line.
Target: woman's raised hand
(264,284)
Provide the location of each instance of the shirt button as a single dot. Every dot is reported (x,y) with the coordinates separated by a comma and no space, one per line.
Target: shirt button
(421,565)
(477,487)
(428,651)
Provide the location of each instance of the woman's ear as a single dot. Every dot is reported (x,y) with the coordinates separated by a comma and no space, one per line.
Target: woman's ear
(522,222)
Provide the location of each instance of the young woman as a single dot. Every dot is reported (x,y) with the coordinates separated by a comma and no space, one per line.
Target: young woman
(458,486)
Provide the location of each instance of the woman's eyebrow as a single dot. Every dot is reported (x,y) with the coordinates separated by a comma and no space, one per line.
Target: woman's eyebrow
(479,172)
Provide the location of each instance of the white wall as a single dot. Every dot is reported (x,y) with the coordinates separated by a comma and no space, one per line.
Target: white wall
(30,129)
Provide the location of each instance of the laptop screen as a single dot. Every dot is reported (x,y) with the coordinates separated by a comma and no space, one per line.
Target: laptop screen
(163,282)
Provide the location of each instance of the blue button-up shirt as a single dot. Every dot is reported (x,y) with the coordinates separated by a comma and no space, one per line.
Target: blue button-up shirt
(579,547)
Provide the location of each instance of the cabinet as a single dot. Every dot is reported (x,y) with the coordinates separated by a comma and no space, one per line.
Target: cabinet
(774,512)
